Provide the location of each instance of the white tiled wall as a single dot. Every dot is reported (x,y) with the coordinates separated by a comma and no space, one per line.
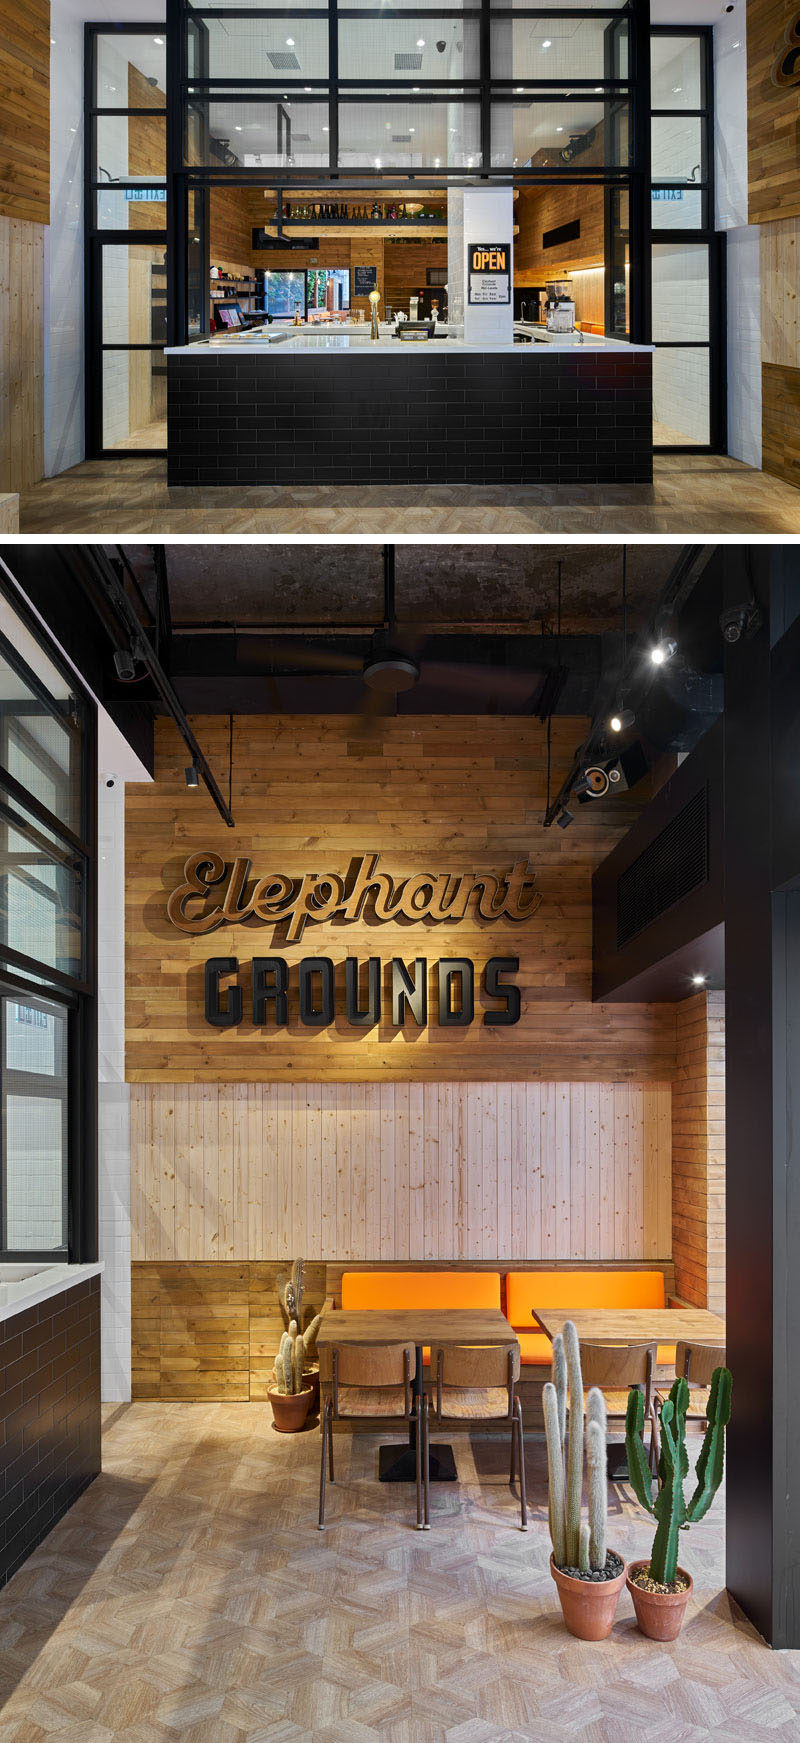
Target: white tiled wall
(113,1107)
(743,241)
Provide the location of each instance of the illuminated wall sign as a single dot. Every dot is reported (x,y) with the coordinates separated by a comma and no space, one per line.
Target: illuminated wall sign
(396,992)
(489,274)
(151,195)
(667,193)
(322,897)
(786,71)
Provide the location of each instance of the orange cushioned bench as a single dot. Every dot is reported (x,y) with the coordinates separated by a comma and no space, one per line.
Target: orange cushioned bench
(589,1289)
(420,1291)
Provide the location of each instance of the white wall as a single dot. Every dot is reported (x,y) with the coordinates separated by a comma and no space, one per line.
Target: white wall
(64,290)
(743,241)
(488,217)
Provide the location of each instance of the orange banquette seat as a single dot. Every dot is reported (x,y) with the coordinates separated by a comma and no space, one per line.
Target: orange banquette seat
(588,1289)
(420,1291)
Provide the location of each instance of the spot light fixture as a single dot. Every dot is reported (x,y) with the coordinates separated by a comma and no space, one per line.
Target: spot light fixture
(564,818)
(699,979)
(663,650)
(192,776)
(621,719)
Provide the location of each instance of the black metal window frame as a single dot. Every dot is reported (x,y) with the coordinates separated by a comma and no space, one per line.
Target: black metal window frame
(703,235)
(97,238)
(25,979)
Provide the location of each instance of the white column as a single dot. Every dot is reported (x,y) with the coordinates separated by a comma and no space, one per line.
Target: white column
(489,218)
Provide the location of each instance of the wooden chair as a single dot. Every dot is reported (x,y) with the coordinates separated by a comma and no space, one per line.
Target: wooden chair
(615,1368)
(477,1383)
(696,1363)
(371,1380)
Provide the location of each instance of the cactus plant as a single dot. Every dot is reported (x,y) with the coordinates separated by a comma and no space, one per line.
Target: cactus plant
(296,1351)
(575,1544)
(669,1507)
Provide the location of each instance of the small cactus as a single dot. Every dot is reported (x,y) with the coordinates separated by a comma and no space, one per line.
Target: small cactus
(669,1506)
(575,1543)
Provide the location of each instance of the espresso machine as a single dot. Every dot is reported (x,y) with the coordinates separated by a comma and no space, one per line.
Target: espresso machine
(559,306)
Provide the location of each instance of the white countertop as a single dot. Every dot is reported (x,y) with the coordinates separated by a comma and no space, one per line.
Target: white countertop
(24,1285)
(351,341)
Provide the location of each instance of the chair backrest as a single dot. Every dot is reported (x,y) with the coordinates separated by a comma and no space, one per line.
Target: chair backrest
(696,1362)
(618,1364)
(372,1364)
(476,1366)
(425,1291)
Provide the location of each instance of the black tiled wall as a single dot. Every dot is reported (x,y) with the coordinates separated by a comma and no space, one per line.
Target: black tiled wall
(422,419)
(49,1416)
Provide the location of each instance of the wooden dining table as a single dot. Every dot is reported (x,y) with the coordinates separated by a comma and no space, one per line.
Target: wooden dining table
(646,1325)
(420,1327)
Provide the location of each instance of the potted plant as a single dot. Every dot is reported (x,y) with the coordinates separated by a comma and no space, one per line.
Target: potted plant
(589,1577)
(296,1376)
(660,1589)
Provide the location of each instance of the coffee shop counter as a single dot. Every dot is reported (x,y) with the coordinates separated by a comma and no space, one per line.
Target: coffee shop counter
(298,406)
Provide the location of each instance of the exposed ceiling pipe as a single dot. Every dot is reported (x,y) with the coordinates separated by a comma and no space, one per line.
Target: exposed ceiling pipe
(104,589)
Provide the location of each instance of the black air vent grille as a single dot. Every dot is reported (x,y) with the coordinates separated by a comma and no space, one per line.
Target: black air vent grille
(408,63)
(401,138)
(284,63)
(673,864)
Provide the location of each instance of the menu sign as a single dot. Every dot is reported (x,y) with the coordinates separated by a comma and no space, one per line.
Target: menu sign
(365,279)
(489,273)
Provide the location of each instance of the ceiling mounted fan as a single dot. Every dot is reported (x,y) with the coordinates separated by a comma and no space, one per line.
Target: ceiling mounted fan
(395,664)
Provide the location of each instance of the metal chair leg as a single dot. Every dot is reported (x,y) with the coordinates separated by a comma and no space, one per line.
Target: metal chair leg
(426,1466)
(326,1436)
(420,1449)
(523,1497)
(329,1407)
(513,1471)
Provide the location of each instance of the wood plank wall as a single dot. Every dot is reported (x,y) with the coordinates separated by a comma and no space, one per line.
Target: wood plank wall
(401,1171)
(21,353)
(25,110)
(698,1152)
(436,795)
(774,203)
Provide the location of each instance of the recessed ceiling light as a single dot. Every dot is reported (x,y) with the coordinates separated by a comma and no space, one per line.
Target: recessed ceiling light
(324,129)
(420,42)
(547,43)
(237,129)
(290,42)
(377,163)
(412,129)
(559,130)
(676,90)
(699,979)
(159,41)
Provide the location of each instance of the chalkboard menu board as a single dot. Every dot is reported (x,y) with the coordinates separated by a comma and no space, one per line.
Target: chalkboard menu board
(365,279)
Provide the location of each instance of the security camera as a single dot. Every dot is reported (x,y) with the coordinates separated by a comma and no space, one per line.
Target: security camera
(440,47)
(109,783)
(740,620)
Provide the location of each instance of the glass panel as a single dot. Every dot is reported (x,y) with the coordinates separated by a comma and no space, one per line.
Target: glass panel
(558,134)
(284,294)
(409,135)
(265,48)
(34,1125)
(42,897)
(681,291)
(39,750)
(134,399)
(618,259)
(681,397)
(272,134)
(197,262)
(409,49)
(677,72)
(557,48)
(131,148)
(677,148)
(131,72)
(140,208)
(677,208)
(134,293)
(328,291)
(585,6)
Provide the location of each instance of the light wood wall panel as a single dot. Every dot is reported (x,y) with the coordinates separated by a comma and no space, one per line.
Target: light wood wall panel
(541,209)
(430,795)
(398,1171)
(698,1150)
(25,110)
(21,353)
(773,136)
(780,346)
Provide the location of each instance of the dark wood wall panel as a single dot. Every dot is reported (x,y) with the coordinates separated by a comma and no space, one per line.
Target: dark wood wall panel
(780,404)
(773,133)
(25,110)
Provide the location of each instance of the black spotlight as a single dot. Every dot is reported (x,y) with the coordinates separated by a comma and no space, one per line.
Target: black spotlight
(192,776)
(564,818)
(124,665)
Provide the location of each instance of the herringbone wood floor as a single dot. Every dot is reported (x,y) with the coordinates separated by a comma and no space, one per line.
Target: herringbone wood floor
(188,1596)
(690,493)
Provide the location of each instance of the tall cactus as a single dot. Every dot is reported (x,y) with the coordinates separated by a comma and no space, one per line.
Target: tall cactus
(296,1351)
(575,1544)
(669,1507)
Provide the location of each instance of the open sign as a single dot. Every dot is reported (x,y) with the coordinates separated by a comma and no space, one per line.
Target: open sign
(489,272)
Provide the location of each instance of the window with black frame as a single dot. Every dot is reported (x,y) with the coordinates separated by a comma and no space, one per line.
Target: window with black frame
(126,205)
(688,315)
(45,972)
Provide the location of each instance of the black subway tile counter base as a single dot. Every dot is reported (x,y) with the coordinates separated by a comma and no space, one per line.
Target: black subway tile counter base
(468,418)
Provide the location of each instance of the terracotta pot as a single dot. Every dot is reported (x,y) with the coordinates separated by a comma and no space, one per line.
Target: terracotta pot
(659,1614)
(311,1377)
(290,1409)
(588,1608)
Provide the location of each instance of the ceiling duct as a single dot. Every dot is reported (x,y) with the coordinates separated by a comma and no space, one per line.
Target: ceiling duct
(408,63)
(284,62)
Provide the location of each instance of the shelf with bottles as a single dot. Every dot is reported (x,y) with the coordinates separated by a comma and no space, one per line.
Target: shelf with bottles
(406,213)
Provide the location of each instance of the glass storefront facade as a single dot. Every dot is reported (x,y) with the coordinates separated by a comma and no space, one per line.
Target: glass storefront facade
(47,966)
